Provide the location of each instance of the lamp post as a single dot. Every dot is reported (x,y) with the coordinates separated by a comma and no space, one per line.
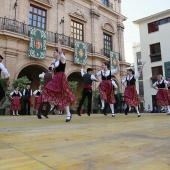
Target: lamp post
(15,6)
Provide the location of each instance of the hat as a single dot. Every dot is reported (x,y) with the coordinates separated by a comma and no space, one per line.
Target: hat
(1,57)
(89,69)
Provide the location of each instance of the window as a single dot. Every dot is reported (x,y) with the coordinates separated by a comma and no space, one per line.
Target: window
(105,2)
(155,52)
(37,17)
(141,76)
(156,71)
(154,26)
(77,30)
(107,44)
(139,59)
(141,90)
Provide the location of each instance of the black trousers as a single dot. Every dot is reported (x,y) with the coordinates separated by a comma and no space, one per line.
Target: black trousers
(26,102)
(2,93)
(86,93)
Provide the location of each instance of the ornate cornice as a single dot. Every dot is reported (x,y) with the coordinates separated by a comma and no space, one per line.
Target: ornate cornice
(78,15)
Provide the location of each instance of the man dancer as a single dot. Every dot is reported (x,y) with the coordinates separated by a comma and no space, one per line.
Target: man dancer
(27,93)
(6,75)
(45,106)
(87,90)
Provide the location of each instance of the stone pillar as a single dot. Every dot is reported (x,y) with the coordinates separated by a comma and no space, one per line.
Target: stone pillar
(95,27)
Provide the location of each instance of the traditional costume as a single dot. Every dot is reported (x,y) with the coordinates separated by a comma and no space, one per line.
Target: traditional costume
(87,90)
(27,93)
(106,90)
(58,91)
(130,95)
(15,104)
(38,99)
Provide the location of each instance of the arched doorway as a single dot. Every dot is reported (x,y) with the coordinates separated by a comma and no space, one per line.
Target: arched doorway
(32,73)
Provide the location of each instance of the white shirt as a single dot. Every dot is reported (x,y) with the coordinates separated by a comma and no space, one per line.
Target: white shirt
(156,83)
(41,75)
(92,76)
(35,92)
(16,92)
(129,78)
(24,92)
(57,61)
(114,84)
(4,70)
(106,73)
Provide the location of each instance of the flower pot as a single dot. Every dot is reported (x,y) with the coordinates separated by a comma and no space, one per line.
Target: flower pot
(2,111)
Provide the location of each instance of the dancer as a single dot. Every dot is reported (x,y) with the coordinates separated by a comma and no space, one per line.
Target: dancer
(130,95)
(15,104)
(162,94)
(6,75)
(44,107)
(106,87)
(87,90)
(58,91)
(27,93)
(38,98)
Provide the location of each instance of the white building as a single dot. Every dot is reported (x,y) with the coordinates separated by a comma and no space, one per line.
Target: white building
(155,45)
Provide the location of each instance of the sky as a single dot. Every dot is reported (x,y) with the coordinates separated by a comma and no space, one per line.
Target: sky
(134,10)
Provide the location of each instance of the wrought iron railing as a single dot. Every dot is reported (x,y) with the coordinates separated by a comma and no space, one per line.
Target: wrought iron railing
(108,4)
(23,29)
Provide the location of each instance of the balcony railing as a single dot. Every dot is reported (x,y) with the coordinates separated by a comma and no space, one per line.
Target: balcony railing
(107,53)
(23,29)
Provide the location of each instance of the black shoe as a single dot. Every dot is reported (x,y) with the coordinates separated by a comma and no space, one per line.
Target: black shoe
(126,110)
(45,115)
(78,112)
(39,116)
(68,119)
(105,114)
(113,115)
(88,114)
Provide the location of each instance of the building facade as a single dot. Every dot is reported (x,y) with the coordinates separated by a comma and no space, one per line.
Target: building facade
(154,42)
(96,22)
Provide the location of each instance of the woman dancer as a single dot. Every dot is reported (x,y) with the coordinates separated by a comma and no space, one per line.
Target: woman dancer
(130,95)
(38,98)
(106,87)
(58,91)
(162,94)
(15,104)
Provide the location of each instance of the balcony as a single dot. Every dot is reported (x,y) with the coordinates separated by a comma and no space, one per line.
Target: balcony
(156,57)
(108,4)
(23,29)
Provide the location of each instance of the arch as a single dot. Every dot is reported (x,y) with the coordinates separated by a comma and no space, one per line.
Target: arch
(108,27)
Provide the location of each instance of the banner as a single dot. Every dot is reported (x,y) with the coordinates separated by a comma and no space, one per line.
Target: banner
(37,43)
(80,52)
(113,61)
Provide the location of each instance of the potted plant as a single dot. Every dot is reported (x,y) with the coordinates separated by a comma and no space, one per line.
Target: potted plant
(73,86)
(5,102)
(95,101)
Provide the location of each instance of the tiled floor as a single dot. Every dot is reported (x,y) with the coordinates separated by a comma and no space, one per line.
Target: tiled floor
(97,142)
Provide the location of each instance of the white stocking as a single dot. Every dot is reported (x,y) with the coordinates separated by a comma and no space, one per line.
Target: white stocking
(168,107)
(17,112)
(137,110)
(52,106)
(67,109)
(13,112)
(112,108)
(102,101)
(130,108)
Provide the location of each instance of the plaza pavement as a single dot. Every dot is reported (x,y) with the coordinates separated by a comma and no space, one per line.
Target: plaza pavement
(97,142)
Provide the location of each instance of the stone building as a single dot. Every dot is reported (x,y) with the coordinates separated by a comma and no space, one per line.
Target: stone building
(96,22)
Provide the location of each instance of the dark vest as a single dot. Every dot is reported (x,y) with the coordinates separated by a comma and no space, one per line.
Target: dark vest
(131,82)
(38,93)
(162,85)
(61,67)
(87,79)
(106,77)
(14,94)
(27,93)
(168,87)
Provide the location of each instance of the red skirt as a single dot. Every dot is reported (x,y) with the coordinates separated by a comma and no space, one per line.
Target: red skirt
(169,96)
(37,102)
(162,97)
(106,92)
(131,97)
(15,104)
(58,92)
